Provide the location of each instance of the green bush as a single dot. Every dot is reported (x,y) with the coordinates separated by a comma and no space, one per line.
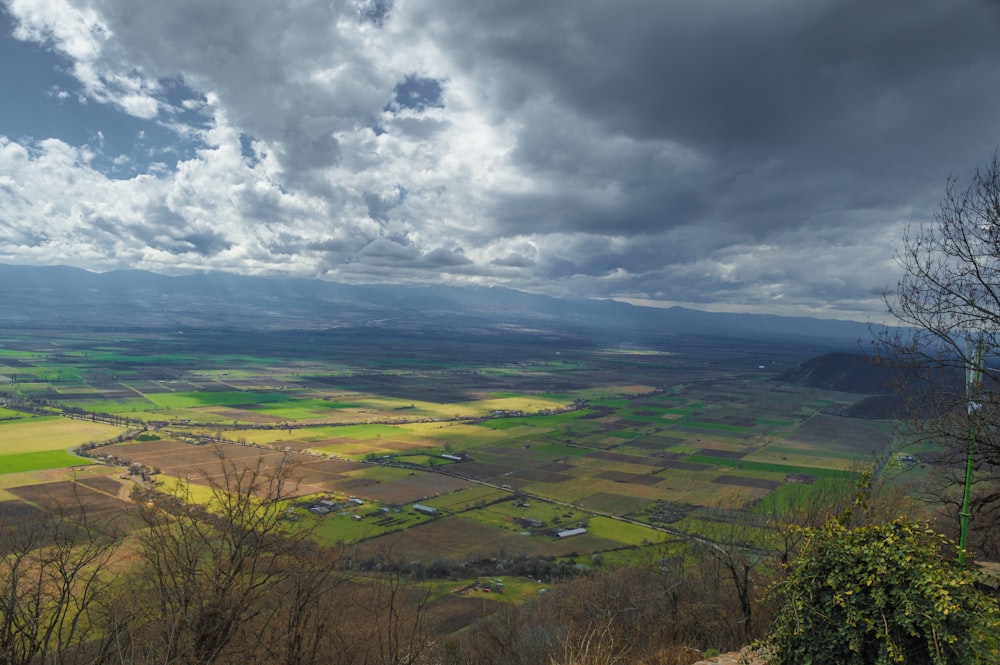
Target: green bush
(881,594)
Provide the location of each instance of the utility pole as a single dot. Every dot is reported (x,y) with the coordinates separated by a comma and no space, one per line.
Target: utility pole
(973,380)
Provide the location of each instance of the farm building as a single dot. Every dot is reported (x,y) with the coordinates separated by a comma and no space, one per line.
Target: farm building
(426,510)
(571,532)
(453,458)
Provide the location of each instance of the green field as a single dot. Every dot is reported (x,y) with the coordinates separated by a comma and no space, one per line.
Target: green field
(39,460)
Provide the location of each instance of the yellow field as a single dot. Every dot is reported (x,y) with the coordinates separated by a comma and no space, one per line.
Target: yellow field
(31,435)
(265,436)
(194,492)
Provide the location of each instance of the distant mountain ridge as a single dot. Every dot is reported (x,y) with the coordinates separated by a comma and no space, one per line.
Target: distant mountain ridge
(63,296)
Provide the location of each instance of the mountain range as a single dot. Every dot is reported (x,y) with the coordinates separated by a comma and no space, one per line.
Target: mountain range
(60,296)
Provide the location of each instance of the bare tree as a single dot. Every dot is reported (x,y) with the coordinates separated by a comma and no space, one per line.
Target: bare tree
(297,626)
(206,573)
(948,301)
(53,574)
(386,622)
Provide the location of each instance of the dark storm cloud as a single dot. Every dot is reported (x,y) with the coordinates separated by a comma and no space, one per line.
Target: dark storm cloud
(401,255)
(514,261)
(26,237)
(205,243)
(311,144)
(443,258)
(786,105)
(380,206)
(171,232)
(332,246)
(375,11)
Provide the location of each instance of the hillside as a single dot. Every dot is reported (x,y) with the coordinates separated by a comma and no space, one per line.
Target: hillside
(846,372)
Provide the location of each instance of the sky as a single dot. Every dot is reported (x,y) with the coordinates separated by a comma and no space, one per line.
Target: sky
(737,155)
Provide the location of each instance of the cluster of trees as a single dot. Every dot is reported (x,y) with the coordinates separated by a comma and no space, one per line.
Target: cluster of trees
(176,582)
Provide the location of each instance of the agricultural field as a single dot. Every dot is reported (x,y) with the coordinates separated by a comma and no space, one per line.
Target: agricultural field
(431,446)
(32,443)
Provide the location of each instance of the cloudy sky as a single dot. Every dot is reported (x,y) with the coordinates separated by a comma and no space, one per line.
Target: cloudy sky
(752,155)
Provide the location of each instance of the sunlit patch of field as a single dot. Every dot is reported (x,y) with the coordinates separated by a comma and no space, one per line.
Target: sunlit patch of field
(262,436)
(360,449)
(624,532)
(188,400)
(379,473)
(15,353)
(457,433)
(528,403)
(45,433)
(194,492)
(352,440)
(41,459)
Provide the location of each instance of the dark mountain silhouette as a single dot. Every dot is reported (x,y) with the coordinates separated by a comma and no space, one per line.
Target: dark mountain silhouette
(847,372)
(893,392)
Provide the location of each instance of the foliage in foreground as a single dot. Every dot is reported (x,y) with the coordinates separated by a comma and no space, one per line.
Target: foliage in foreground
(880,594)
